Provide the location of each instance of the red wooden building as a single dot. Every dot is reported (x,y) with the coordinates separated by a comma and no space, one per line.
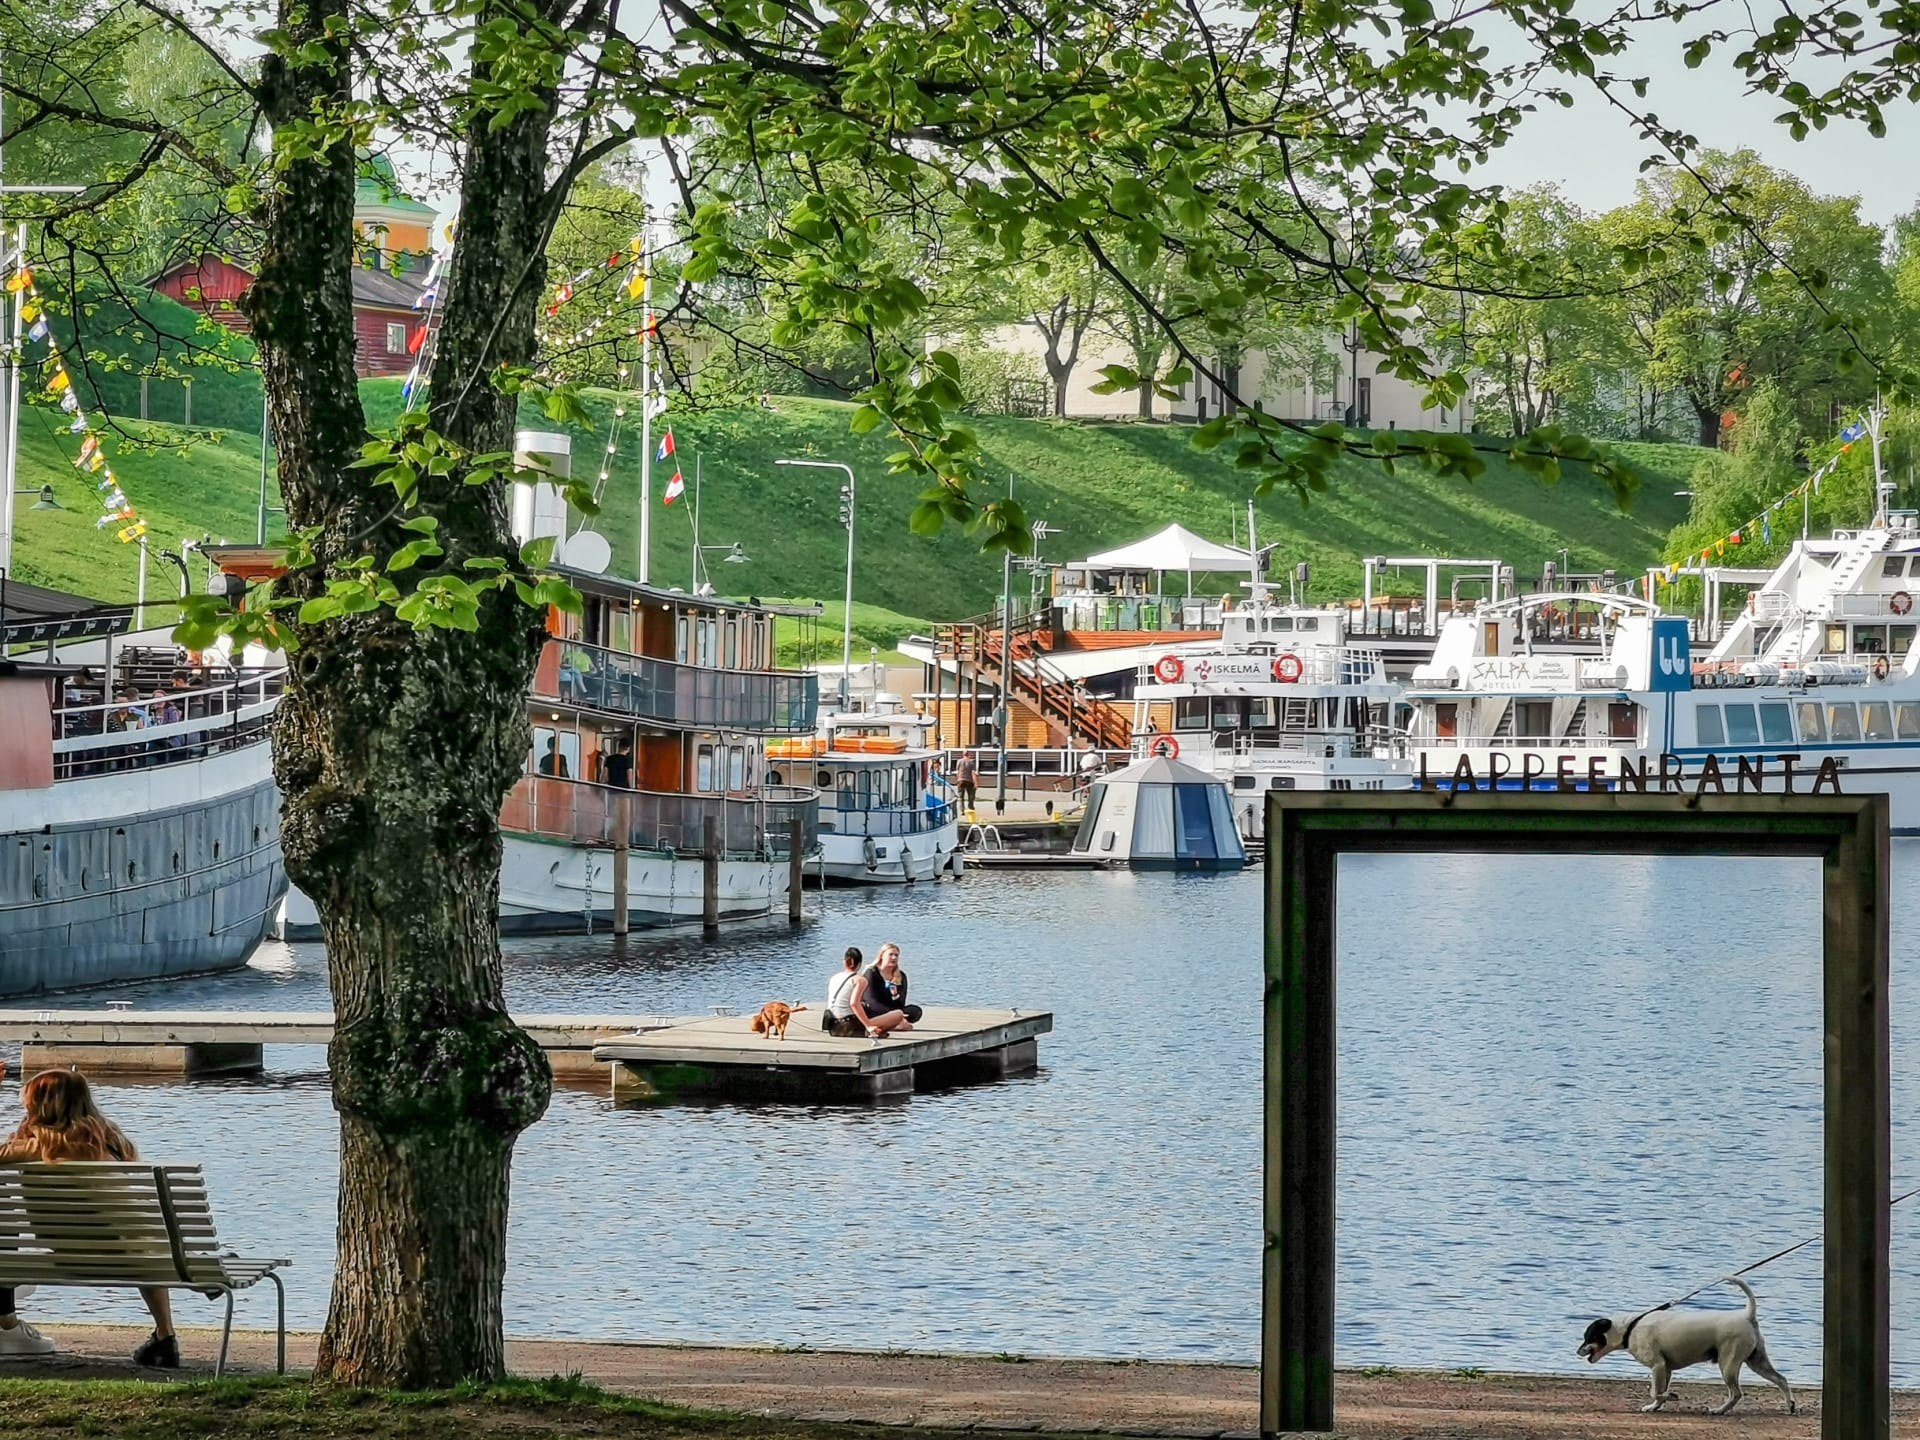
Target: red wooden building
(389,323)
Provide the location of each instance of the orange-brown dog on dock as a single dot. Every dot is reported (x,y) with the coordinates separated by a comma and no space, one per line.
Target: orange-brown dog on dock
(773,1017)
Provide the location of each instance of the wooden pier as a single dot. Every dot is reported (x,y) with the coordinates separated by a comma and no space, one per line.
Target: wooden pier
(216,1042)
(722,1057)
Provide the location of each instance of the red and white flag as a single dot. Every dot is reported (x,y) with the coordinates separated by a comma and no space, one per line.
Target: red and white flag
(676,487)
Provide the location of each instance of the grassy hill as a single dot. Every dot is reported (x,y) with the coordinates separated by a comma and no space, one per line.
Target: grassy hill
(1101,484)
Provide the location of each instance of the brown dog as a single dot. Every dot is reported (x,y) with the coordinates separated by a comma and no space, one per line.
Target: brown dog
(773,1017)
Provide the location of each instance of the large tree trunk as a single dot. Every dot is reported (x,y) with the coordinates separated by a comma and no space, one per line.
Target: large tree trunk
(1146,400)
(394,749)
(1709,425)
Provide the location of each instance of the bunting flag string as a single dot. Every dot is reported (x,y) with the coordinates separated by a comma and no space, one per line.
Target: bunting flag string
(1807,487)
(575,286)
(423,347)
(92,459)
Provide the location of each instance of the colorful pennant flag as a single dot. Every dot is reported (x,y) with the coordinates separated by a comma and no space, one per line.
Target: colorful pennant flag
(666,447)
(675,488)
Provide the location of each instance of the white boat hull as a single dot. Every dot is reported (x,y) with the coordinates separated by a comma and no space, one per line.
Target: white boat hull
(550,887)
(889,859)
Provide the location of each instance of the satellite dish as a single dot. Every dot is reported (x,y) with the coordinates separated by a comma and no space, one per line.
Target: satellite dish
(586,550)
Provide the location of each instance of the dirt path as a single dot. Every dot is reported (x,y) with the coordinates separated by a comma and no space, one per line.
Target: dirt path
(1063,1395)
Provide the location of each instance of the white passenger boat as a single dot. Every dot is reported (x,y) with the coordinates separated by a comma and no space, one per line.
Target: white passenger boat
(139,834)
(886,818)
(1812,687)
(1282,701)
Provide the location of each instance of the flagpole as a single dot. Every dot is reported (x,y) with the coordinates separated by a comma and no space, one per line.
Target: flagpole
(646,393)
(695,586)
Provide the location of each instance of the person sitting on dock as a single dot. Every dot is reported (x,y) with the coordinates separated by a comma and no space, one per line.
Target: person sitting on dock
(881,1000)
(64,1124)
(838,1018)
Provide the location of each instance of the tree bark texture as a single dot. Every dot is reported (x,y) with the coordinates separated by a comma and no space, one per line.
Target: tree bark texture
(394,749)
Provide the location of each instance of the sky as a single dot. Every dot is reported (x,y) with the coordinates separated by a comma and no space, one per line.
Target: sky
(1591,151)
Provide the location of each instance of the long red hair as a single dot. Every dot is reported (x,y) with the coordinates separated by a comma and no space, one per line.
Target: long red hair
(63,1122)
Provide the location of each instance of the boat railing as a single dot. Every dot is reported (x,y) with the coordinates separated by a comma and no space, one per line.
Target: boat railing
(1860,607)
(589,814)
(884,821)
(134,733)
(1524,742)
(767,702)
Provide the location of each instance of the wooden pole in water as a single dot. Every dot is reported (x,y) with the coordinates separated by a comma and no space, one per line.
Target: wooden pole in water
(622,826)
(796,868)
(710,875)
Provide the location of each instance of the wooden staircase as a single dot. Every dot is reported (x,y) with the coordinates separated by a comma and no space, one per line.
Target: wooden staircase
(980,645)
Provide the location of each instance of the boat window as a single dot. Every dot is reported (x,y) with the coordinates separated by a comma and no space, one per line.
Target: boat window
(737,767)
(1743,727)
(1906,720)
(1307,622)
(1446,720)
(1281,782)
(823,780)
(1623,720)
(1776,725)
(1190,713)
(1533,719)
(1083,837)
(1899,639)
(733,648)
(1246,782)
(703,768)
(1813,724)
(1281,624)
(680,651)
(1260,712)
(1226,713)
(1843,721)
(1876,720)
(1869,639)
(775,777)
(1707,729)
(1836,640)
(1893,565)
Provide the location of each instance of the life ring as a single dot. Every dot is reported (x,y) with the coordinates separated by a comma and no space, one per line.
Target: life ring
(1901,602)
(1164,747)
(1168,669)
(1880,667)
(1287,668)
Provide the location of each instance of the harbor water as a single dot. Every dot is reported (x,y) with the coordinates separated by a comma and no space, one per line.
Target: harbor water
(1568,1087)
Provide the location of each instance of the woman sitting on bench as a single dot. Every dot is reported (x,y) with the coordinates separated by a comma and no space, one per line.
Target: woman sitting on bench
(64,1124)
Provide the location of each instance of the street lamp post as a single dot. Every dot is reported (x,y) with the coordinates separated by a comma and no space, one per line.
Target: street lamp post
(846,515)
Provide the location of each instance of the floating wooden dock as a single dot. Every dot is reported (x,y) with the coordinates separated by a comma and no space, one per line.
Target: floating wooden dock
(216,1042)
(722,1057)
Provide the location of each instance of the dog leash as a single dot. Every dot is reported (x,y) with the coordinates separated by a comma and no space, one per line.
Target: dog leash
(1777,1255)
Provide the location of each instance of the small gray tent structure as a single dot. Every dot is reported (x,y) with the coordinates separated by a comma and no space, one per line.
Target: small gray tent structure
(1161,815)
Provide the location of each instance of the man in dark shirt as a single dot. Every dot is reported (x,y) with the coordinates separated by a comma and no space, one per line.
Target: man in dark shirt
(619,767)
(553,762)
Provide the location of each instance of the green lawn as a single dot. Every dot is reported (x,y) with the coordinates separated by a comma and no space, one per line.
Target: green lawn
(557,1409)
(1101,485)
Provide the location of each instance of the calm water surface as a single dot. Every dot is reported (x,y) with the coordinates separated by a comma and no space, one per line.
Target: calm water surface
(1567,1087)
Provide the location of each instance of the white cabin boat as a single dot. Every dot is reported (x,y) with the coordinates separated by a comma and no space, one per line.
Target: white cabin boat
(139,820)
(1282,701)
(885,816)
(1813,686)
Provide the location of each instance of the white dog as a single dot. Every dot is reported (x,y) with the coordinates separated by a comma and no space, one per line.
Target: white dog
(1665,1340)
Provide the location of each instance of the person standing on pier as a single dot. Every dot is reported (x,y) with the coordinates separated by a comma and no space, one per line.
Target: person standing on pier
(967,777)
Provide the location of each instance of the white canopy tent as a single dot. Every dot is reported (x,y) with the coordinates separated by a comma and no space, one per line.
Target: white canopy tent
(1174,548)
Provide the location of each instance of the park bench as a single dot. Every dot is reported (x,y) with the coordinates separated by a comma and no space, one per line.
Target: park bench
(109,1225)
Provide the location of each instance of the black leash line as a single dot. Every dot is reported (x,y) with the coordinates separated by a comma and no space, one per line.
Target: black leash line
(1777,1255)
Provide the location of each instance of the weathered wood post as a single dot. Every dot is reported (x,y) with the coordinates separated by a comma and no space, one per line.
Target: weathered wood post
(1307,832)
(796,868)
(622,827)
(710,875)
